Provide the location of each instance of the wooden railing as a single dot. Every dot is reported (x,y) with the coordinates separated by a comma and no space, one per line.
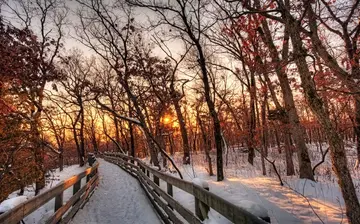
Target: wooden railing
(79,198)
(164,202)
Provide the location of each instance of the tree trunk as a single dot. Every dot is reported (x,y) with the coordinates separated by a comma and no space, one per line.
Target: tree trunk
(38,153)
(252,122)
(213,113)
(81,135)
(183,131)
(39,159)
(207,144)
(61,159)
(171,145)
(147,132)
(357,127)
(277,139)
(290,170)
(264,148)
(117,130)
(297,130)
(94,142)
(131,131)
(337,149)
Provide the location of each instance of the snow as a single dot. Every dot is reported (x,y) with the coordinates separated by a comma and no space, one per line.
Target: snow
(45,211)
(250,206)
(11,203)
(119,198)
(299,201)
(201,183)
(254,208)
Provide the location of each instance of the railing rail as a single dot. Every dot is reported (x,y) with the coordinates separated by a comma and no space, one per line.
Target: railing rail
(203,198)
(80,196)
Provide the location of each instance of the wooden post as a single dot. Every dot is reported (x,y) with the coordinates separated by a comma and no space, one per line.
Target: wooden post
(58,201)
(170,192)
(156,180)
(201,209)
(88,177)
(76,187)
(169,189)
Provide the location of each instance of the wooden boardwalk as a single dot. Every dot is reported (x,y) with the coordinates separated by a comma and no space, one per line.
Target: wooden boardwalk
(119,198)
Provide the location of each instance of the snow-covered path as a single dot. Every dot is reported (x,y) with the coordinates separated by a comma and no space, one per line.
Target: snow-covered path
(119,198)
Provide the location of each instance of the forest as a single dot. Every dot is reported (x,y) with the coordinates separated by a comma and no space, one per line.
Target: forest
(266,85)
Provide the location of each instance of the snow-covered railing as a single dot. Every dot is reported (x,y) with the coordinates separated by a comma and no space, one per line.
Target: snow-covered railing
(166,204)
(79,198)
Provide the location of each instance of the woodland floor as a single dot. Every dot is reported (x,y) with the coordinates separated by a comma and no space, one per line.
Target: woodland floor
(298,201)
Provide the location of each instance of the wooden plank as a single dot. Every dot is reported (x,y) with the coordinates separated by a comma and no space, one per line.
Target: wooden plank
(119,164)
(201,209)
(179,183)
(230,211)
(54,218)
(164,206)
(77,205)
(184,212)
(76,187)
(16,214)
(169,189)
(151,196)
(59,200)
(125,162)
(155,205)
(156,180)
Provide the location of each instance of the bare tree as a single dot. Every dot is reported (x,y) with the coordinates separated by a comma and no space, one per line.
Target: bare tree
(101,32)
(188,19)
(77,70)
(176,95)
(57,126)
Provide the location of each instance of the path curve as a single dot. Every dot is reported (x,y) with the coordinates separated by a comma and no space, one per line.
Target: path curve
(119,198)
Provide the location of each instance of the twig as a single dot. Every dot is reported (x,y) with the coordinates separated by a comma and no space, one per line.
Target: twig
(342,213)
(273,165)
(308,201)
(322,160)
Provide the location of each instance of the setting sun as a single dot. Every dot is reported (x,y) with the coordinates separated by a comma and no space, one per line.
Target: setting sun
(166,120)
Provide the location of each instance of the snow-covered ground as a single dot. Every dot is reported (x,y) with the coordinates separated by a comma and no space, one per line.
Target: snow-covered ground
(299,201)
(283,204)
(45,211)
(119,198)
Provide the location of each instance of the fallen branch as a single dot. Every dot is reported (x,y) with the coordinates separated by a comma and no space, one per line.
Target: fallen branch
(167,156)
(273,165)
(49,146)
(116,143)
(130,119)
(308,201)
(322,160)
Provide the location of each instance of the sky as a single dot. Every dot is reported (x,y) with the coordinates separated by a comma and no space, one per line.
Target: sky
(141,16)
